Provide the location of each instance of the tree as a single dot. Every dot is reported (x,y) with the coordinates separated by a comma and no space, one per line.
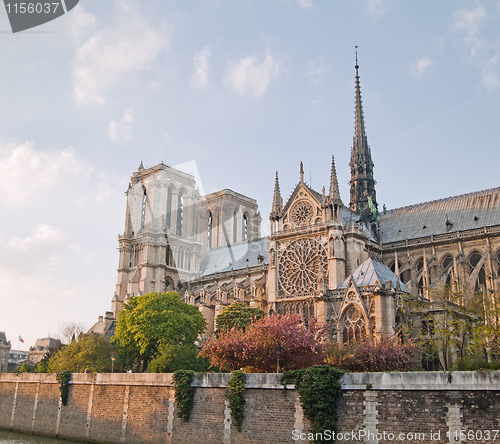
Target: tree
(71,330)
(174,357)
(25,368)
(264,342)
(447,322)
(149,324)
(375,355)
(237,315)
(90,353)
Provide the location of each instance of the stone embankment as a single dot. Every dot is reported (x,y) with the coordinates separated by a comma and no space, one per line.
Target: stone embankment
(426,407)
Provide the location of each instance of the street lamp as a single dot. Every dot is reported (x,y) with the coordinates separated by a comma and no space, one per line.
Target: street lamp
(112,363)
(278,351)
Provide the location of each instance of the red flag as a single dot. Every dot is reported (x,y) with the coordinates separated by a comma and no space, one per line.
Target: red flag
(21,339)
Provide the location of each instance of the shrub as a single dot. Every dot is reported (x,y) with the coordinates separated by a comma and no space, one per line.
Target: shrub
(371,355)
(256,349)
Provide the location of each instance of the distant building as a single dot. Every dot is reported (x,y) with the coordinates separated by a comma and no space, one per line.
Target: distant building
(105,325)
(4,352)
(41,347)
(17,358)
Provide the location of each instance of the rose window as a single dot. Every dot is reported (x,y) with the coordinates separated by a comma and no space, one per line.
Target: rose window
(302,213)
(300,266)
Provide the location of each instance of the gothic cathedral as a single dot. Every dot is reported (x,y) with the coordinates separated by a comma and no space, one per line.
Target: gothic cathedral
(347,266)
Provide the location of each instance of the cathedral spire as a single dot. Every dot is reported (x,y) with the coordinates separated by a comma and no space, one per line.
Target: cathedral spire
(362,197)
(334,184)
(277,200)
(301,172)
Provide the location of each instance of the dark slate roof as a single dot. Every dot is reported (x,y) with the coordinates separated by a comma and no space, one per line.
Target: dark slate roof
(236,257)
(3,339)
(464,212)
(370,271)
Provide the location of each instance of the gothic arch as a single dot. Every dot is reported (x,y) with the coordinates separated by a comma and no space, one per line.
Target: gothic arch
(353,323)
(169,284)
(473,260)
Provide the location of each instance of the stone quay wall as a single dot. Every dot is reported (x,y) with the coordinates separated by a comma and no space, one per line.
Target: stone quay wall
(423,407)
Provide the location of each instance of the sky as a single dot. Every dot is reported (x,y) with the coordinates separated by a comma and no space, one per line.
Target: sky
(240,89)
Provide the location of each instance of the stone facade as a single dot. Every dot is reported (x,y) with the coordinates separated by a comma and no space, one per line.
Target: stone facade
(41,347)
(348,266)
(4,352)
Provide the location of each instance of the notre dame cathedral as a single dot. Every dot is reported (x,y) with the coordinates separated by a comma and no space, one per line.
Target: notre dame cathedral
(347,266)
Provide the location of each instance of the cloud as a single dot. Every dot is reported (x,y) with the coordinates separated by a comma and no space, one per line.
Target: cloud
(200,76)
(490,77)
(470,21)
(317,100)
(376,8)
(249,76)
(420,66)
(80,23)
(107,55)
(305,3)
(121,131)
(27,172)
(315,71)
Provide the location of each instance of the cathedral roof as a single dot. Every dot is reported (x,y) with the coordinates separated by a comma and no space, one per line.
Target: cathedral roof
(457,213)
(371,271)
(236,257)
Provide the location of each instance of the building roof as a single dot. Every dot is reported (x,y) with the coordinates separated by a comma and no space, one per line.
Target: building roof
(371,271)
(236,257)
(457,213)
(3,339)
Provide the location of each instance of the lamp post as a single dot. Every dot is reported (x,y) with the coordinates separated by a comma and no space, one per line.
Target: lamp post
(278,351)
(112,363)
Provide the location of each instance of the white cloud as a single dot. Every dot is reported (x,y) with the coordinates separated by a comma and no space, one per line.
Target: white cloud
(200,76)
(305,3)
(27,172)
(317,100)
(249,76)
(490,77)
(469,21)
(121,131)
(80,23)
(104,58)
(315,71)
(420,66)
(376,8)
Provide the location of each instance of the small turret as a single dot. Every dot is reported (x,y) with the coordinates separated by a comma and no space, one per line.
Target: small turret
(277,200)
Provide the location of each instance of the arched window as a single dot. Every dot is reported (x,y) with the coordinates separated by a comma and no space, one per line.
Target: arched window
(498,260)
(209,230)
(168,254)
(481,278)
(143,213)
(245,228)
(354,325)
(169,208)
(180,208)
(235,228)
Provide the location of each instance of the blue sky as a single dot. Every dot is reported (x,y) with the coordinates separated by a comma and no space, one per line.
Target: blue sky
(242,88)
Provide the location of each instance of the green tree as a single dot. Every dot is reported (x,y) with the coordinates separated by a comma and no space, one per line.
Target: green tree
(25,368)
(237,315)
(448,322)
(90,353)
(174,357)
(149,324)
